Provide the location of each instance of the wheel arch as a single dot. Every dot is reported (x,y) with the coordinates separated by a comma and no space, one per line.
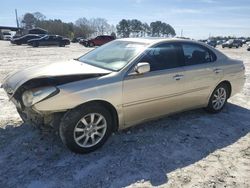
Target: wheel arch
(228,84)
(109,107)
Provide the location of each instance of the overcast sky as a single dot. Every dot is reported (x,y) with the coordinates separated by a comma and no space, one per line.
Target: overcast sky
(197,18)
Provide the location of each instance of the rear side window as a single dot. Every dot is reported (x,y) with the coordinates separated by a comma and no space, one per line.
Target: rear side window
(163,56)
(195,54)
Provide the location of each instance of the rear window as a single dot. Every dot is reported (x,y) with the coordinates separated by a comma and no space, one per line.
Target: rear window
(196,54)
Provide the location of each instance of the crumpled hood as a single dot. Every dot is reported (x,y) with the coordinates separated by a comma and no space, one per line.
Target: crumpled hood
(13,81)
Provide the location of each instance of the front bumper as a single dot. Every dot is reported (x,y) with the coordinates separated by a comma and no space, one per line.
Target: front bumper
(29,116)
(32,117)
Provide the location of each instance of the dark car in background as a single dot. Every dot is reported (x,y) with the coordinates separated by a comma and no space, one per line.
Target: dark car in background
(212,43)
(77,39)
(24,39)
(239,42)
(231,43)
(49,40)
(97,41)
(248,47)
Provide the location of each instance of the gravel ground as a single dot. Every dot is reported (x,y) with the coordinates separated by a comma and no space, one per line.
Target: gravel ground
(190,149)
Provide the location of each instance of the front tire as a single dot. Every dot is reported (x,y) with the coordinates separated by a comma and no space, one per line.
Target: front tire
(218,99)
(86,128)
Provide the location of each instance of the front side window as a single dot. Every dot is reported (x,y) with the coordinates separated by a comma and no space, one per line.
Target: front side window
(163,56)
(196,54)
(113,55)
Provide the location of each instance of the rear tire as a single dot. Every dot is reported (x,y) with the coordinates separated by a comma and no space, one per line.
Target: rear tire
(218,99)
(86,128)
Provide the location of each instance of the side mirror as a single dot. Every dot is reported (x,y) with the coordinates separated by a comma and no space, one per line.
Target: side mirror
(142,68)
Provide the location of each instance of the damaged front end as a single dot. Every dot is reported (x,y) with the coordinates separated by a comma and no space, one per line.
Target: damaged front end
(36,90)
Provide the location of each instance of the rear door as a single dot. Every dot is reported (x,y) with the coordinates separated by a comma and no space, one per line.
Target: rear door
(201,73)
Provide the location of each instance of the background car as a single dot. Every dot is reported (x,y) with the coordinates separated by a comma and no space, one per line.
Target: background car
(121,84)
(49,40)
(219,42)
(231,43)
(248,47)
(97,41)
(24,39)
(212,43)
(6,36)
(77,39)
(238,41)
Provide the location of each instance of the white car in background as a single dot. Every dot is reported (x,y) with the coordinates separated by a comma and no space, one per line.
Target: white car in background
(7,36)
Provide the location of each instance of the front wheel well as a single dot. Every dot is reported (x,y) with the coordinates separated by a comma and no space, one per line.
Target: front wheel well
(229,86)
(109,107)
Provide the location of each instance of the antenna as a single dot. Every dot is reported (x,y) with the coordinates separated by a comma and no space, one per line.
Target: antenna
(17,23)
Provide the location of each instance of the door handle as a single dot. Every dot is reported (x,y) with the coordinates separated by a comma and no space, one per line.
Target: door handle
(178,77)
(217,71)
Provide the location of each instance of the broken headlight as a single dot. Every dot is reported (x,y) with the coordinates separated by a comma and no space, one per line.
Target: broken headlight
(33,96)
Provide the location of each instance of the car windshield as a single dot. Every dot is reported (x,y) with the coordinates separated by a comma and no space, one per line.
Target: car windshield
(114,55)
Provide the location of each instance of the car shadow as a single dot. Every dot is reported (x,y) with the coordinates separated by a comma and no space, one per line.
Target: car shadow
(147,152)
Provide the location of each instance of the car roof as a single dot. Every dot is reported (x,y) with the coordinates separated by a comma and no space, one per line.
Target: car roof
(154,40)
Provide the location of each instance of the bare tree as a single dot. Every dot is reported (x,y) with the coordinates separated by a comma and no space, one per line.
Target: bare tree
(99,25)
(28,21)
(83,28)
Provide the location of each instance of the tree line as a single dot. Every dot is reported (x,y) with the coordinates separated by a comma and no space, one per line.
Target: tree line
(135,28)
(84,27)
(81,28)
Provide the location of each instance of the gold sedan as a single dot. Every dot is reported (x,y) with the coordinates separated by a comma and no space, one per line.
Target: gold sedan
(123,83)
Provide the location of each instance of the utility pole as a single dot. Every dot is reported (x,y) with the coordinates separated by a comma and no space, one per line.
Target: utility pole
(17,23)
(181,33)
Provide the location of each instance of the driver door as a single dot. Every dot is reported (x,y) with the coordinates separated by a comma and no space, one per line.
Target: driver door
(157,92)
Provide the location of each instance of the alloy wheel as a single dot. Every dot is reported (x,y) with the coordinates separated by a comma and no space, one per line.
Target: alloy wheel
(90,130)
(219,98)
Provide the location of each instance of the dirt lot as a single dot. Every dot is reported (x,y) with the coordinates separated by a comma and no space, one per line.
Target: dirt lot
(191,149)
